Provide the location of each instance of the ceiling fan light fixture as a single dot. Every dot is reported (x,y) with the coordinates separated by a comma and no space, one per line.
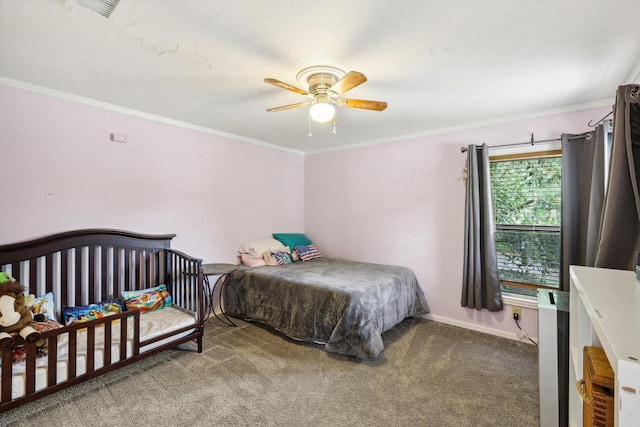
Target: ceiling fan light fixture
(322,112)
(325,85)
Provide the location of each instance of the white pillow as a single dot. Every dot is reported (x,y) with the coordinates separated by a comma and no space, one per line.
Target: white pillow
(246,259)
(256,248)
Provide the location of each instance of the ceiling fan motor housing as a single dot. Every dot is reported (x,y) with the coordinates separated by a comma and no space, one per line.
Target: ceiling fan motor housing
(319,79)
(319,84)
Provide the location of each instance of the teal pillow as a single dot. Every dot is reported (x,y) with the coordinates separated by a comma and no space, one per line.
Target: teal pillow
(292,239)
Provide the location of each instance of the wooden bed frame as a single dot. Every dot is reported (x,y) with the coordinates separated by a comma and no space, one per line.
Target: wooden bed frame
(89,266)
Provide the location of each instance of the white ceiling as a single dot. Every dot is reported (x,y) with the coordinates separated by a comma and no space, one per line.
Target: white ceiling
(440,64)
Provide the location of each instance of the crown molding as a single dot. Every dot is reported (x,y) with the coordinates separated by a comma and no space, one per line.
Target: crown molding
(28,87)
(17,84)
(502,120)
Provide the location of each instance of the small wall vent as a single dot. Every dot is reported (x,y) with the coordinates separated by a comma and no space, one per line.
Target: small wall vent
(101,7)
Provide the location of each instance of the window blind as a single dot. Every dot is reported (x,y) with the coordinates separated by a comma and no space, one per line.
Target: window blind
(526,195)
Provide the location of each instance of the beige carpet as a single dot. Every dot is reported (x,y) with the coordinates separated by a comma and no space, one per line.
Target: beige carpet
(430,374)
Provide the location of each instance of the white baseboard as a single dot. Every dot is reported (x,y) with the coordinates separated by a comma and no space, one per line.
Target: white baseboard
(516,336)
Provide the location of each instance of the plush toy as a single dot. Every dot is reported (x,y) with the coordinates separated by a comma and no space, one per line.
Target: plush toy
(15,316)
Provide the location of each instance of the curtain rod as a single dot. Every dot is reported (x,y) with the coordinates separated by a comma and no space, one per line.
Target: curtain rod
(532,142)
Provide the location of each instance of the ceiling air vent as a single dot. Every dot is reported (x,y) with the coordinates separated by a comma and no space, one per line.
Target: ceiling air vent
(101,7)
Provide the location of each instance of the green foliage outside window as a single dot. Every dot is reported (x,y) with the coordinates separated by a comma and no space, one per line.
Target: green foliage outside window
(527,208)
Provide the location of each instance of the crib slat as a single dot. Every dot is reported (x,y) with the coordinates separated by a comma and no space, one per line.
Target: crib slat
(135,269)
(123,338)
(7,367)
(142,268)
(15,271)
(191,277)
(182,278)
(148,267)
(52,361)
(170,271)
(162,265)
(78,277)
(155,274)
(127,270)
(107,343)
(136,335)
(32,283)
(105,292)
(118,286)
(48,274)
(92,273)
(64,280)
(30,368)
(186,280)
(91,347)
(73,352)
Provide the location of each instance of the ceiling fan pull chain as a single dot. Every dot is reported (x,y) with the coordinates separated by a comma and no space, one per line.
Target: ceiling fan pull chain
(334,124)
(309,134)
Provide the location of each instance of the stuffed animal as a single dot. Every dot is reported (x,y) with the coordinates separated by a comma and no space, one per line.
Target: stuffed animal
(15,316)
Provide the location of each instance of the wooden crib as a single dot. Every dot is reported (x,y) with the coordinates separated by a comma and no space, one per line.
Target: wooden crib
(89,266)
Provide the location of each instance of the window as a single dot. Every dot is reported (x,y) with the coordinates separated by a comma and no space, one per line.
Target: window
(526,194)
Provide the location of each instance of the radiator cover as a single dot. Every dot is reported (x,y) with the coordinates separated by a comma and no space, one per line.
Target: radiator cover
(553,357)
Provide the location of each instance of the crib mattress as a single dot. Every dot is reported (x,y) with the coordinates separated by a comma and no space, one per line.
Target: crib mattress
(152,324)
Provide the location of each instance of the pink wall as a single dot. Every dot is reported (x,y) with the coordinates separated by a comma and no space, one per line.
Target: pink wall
(395,203)
(403,203)
(60,171)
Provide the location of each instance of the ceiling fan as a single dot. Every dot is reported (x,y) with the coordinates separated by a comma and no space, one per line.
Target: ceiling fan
(325,86)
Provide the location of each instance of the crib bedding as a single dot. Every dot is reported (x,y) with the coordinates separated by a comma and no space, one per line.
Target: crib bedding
(152,324)
(344,305)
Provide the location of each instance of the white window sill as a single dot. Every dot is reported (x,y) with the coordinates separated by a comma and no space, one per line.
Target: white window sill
(518,300)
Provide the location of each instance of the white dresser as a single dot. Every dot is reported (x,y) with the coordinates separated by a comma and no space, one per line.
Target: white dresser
(605,312)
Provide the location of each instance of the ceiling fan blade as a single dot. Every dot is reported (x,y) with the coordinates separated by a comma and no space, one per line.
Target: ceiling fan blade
(288,107)
(287,86)
(362,103)
(348,82)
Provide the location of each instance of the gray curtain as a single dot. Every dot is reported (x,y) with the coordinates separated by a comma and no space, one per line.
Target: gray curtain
(480,283)
(583,189)
(620,237)
(583,183)
(600,224)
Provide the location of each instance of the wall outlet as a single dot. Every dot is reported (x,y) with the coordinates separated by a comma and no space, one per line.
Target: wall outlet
(516,311)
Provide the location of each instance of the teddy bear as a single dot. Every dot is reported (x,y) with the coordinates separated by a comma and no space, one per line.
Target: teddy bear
(15,316)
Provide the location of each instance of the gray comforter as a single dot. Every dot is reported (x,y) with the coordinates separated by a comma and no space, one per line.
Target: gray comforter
(342,304)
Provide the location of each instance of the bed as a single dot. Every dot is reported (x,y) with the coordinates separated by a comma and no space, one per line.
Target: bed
(76,272)
(344,305)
